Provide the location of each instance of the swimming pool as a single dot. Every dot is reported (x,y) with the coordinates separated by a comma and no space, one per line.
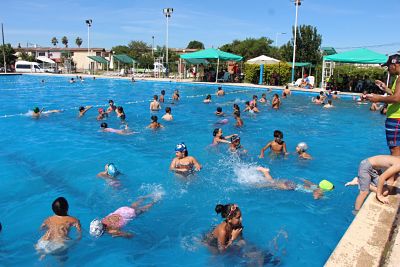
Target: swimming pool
(60,155)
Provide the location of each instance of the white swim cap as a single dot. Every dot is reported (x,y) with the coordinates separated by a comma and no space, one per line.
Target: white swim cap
(112,170)
(302,146)
(96,228)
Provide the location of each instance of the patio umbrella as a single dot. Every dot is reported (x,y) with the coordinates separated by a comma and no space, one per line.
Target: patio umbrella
(261,60)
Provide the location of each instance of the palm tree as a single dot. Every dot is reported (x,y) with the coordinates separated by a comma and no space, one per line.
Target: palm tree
(78,41)
(54,41)
(64,41)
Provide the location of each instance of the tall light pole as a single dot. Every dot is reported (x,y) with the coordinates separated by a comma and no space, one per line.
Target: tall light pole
(89,24)
(297,3)
(152,48)
(167,12)
(4,47)
(276,37)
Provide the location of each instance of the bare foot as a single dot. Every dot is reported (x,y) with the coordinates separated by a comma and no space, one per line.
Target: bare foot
(382,199)
(385,192)
(352,182)
(262,169)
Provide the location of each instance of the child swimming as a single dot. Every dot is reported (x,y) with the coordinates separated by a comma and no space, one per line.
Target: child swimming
(115,221)
(277,145)
(125,131)
(58,226)
(301,149)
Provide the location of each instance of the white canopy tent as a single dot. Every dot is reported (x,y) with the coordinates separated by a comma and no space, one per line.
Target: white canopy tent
(46,60)
(261,60)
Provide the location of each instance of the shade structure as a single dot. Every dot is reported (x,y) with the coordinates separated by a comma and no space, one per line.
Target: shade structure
(212,53)
(263,60)
(124,59)
(360,56)
(302,64)
(99,59)
(357,56)
(45,59)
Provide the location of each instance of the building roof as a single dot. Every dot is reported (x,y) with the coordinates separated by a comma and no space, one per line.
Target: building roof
(58,49)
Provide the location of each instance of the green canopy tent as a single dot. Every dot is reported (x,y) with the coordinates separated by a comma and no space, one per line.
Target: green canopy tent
(100,60)
(302,65)
(212,53)
(357,56)
(125,59)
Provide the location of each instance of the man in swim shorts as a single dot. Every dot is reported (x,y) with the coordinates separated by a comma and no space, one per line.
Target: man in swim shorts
(392,123)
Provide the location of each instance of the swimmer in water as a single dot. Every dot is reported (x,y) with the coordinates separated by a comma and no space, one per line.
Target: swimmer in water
(183,163)
(154,123)
(220,91)
(38,112)
(72,80)
(263,98)
(115,221)
(286,91)
(106,129)
(162,96)
(317,100)
(167,116)
(250,108)
(227,233)
(155,105)
(57,229)
(277,145)
(329,104)
(235,146)
(82,110)
(236,108)
(239,121)
(219,112)
(176,95)
(121,113)
(110,171)
(283,184)
(102,114)
(219,138)
(276,102)
(112,107)
(301,149)
(207,100)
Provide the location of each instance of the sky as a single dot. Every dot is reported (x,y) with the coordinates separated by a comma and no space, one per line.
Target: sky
(343,24)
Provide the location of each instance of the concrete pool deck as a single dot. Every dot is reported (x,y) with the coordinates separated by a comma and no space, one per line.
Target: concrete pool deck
(372,239)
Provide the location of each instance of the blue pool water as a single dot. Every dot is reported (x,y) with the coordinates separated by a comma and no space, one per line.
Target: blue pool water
(60,155)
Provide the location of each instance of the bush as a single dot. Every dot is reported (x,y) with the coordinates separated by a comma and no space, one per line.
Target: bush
(252,72)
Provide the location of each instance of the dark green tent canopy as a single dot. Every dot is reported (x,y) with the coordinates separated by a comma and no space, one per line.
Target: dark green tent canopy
(302,64)
(99,59)
(124,59)
(211,53)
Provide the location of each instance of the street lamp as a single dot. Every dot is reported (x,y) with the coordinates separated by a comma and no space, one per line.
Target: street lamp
(152,48)
(276,37)
(89,24)
(297,3)
(167,12)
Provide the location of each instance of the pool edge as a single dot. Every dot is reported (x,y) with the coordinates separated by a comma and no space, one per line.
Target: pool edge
(368,239)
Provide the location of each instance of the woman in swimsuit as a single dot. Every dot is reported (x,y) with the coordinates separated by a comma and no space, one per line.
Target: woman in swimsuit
(219,138)
(276,102)
(228,232)
(116,220)
(183,163)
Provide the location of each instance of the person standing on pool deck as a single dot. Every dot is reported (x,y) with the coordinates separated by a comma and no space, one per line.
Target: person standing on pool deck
(392,123)
(58,226)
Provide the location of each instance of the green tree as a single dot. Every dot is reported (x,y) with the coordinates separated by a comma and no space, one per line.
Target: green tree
(9,51)
(120,49)
(78,41)
(195,45)
(308,43)
(251,47)
(27,57)
(54,41)
(64,41)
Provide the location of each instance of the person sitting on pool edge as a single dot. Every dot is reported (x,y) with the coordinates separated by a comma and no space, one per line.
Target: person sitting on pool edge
(83,110)
(228,232)
(183,163)
(110,171)
(370,178)
(154,123)
(301,149)
(307,186)
(105,128)
(277,145)
(115,221)
(167,116)
(58,226)
(219,138)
